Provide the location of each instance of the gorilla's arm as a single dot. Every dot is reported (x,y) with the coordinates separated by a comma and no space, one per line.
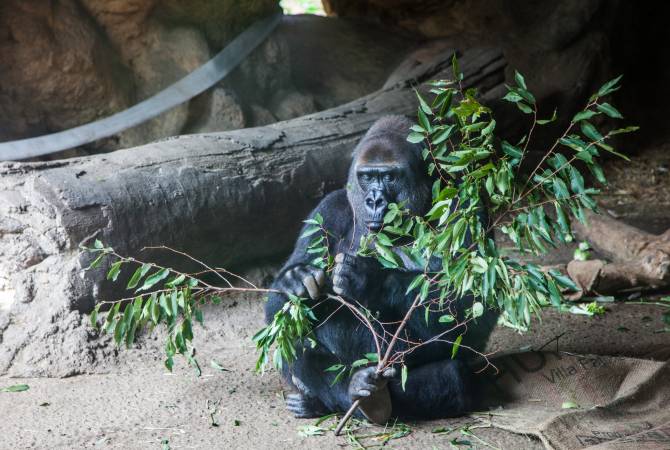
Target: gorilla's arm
(298,276)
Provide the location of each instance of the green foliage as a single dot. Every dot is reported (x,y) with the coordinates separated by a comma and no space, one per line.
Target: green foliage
(164,297)
(582,252)
(318,245)
(475,170)
(289,327)
(302,7)
(15,388)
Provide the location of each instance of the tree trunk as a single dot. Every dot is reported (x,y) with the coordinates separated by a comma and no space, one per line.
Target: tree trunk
(640,260)
(226,198)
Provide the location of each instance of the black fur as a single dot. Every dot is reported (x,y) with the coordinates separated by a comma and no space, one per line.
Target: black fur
(437,386)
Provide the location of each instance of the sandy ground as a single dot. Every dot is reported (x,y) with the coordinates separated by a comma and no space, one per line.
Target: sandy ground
(136,404)
(132,402)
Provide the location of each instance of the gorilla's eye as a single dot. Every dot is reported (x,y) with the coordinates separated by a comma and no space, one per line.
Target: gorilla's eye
(389,177)
(365,177)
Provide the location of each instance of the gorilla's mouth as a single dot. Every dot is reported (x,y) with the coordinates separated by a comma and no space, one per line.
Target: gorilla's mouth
(374,225)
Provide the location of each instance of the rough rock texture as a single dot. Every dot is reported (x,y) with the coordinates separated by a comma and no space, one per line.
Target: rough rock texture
(563,48)
(108,55)
(66,63)
(291,75)
(220,111)
(220,20)
(56,71)
(227,198)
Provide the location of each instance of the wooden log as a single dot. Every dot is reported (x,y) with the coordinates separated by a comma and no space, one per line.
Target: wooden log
(639,260)
(226,198)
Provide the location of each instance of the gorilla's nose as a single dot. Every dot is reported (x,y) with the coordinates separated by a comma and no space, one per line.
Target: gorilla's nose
(375,202)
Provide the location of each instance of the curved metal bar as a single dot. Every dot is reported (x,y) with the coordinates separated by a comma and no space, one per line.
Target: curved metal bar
(183,90)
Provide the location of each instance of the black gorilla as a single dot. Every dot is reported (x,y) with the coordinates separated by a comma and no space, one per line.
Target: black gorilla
(385,169)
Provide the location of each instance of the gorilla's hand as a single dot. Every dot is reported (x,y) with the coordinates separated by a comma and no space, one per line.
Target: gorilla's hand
(371,389)
(355,277)
(302,279)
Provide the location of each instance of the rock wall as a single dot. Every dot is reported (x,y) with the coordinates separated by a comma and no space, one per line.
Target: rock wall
(68,62)
(74,61)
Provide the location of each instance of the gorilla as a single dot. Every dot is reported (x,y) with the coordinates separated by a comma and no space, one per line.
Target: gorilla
(385,169)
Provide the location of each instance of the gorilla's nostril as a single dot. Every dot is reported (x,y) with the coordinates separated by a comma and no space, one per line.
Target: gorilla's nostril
(369,203)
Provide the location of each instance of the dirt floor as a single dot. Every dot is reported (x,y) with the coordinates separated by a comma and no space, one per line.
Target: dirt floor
(131,402)
(136,404)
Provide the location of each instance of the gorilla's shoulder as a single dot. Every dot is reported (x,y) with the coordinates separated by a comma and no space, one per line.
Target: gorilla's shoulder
(336,211)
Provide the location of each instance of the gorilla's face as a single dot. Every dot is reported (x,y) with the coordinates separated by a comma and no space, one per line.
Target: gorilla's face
(386,169)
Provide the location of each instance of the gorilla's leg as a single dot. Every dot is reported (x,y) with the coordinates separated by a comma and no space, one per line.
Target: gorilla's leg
(316,394)
(303,403)
(434,390)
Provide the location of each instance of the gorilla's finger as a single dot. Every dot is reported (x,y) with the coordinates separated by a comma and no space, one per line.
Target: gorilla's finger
(296,286)
(362,393)
(340,284)
(320,277)
(389,372)
(346,259)
(369,373)
(312,288)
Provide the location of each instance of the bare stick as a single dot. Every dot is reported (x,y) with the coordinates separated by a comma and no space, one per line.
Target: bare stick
(382,362)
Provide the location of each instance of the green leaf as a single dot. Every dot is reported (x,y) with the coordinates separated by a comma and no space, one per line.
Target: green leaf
(610,110)
(114,271)
(423,120)
(623,130)
(512,97)
(554,293)
(387,255)
(119,330)
(590,131)
(609,87)
(477,310)
(177,281)
(98,244)
(96,262)
(403,376)
(442,135)
(524,108)
(94,316)
(334,368)
(153,279)
(415,137)
(455,68)
(455,346)
(560,189)
(310,231)
(415,282)
(138,275)
(372,357)
(554,116)
(217,366)
(15,388)
(511,150)
(569,405)
(423,105)
(447,318)
(584,115)
(359,363)
(520,81)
